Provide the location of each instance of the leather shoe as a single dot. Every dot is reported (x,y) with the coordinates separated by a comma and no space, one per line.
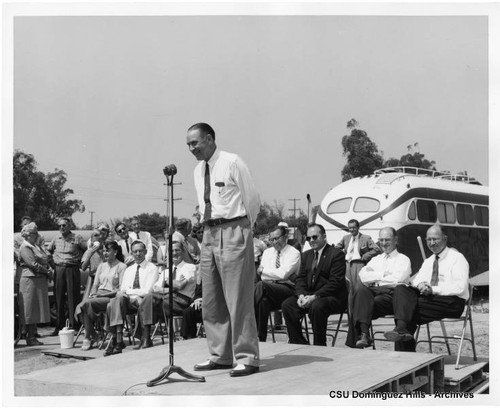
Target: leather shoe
(398,335)
(145,343)
(364,341)
(54,333)
(242,369)
(33,342)
(210,365)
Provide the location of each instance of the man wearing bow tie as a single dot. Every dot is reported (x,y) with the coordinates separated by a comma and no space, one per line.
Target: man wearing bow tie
(320,288)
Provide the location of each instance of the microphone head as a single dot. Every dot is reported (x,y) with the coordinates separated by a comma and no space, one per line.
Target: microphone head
(170,170)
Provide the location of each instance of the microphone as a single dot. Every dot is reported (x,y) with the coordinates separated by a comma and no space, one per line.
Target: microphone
(170,170)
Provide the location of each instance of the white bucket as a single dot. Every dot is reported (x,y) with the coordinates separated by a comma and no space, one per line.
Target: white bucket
(66,337)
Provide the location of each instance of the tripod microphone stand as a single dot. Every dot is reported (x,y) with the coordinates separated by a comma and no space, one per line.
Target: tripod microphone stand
(169,172)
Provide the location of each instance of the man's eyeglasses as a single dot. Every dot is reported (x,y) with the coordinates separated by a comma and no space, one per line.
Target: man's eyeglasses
(275,238)
(63,225)
(121,230)
(433,239)
(312,238)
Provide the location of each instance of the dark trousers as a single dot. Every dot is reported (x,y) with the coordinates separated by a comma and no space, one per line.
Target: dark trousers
(368,303)
(190,317)
(66,282)
(415,309)
(154,302)
(319,311)
(268,296)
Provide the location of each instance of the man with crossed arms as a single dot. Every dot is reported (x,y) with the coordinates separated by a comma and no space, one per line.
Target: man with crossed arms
(278,269)
(373,298)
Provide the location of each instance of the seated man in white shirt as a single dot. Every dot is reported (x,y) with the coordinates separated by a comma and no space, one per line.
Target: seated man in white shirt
(374,298)
(278,269)
(438,290)
(138,280)
(183,286)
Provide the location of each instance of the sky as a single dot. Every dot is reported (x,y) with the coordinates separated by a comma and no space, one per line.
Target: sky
(108,99)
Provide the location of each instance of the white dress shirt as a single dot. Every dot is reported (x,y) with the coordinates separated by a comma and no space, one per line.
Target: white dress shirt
(145,237)
(148,274)
(183,271)
(453,274)
(289,263)
(232,190)
(386,270)
(352,252)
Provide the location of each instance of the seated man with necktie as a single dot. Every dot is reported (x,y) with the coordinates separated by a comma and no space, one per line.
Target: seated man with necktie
(373,298)
(438,290)
(138,280)
(278,269)
(320,288)
(183,286)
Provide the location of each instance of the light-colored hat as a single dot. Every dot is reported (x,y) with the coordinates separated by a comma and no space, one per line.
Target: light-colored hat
(282,224)
(29,229)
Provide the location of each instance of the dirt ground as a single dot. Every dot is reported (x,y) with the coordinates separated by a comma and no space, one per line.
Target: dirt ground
(29,359)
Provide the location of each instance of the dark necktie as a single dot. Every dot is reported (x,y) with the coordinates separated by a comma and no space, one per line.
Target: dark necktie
(128,249)
(137,284)
(314,266)
(435,271)
(277,263)
(206,195)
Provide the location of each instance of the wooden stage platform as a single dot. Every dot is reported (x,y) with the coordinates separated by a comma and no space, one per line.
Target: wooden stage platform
(286,369)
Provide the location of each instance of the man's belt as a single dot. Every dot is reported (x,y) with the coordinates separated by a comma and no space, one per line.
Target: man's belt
(220,221)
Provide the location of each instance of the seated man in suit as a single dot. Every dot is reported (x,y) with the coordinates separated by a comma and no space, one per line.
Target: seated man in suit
(278,269)
(373,299)
(183,285)
(320,288)
(138,280)
(358,249)
(438,290)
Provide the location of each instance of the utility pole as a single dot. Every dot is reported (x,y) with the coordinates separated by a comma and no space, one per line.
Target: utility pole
(91,219)
(294,209)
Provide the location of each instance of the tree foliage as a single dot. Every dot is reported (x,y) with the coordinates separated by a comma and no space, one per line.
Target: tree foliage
(412,159)
(360,152)
(41,196)
(270,215)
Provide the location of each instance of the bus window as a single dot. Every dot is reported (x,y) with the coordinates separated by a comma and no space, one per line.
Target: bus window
(339,206)
(465,214)
(481,215)
(426,211)
(412,212)
(446,213)
(366,204)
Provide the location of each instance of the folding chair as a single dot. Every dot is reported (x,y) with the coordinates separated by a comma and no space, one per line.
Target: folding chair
(465,318)
(272,325)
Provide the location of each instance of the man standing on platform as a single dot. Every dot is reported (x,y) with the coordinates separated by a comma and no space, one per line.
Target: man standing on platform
(438,290)
(278,270)
(373,298)
(358,249)
(229,204)
(320,288)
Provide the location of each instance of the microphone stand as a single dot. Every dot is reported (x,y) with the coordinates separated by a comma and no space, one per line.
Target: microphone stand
(169,172)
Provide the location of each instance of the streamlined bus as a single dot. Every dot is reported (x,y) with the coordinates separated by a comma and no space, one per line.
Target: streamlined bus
(411,200)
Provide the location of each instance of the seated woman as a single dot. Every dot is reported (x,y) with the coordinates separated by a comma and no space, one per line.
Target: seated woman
(106,283)
(33,285)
